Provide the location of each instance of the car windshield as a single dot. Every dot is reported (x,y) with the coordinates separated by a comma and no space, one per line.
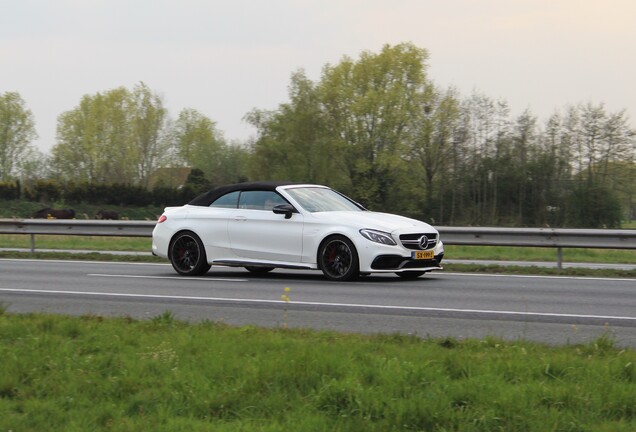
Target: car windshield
(315,199)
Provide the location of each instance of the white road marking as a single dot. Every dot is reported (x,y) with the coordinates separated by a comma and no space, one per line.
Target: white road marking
(180,278)
(301,303)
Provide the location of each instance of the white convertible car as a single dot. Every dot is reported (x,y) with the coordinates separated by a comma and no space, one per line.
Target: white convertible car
(267,225)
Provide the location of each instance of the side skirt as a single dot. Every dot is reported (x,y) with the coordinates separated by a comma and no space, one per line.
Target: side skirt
(238,263)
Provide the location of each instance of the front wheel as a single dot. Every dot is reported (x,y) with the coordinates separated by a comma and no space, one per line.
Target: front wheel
(187,255)
(338,259)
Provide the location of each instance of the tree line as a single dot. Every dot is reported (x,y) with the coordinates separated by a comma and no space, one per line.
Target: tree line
(376,128)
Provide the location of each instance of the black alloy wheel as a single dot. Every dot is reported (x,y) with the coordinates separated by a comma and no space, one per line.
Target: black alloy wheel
(338,259)
(187,255)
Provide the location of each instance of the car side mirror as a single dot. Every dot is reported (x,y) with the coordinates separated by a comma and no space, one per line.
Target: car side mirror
(284,209)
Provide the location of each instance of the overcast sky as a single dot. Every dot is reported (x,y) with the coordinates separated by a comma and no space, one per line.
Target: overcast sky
(226,57)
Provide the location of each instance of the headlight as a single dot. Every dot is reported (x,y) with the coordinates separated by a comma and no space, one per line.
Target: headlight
(378,236)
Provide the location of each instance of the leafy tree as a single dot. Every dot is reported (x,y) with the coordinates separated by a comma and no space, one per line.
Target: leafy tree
(481,140)
(35,165)
(111,137)
(431,147)
(624,183)
(148,123)
(199,144)
(557,162)
(196,179)
(593,206)
(115,144)
(293,142)
(601,147)
(370,104)
(524,152)
(17,131)
(597,138)
(234,168)
(94,141)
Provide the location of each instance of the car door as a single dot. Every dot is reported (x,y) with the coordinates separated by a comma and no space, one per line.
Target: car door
(257,233)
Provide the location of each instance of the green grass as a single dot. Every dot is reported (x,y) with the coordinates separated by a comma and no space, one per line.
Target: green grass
(89,373)
(61,242)
(629,225)
(503,253)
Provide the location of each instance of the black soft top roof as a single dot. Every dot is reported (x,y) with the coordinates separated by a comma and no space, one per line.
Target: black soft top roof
(207,198)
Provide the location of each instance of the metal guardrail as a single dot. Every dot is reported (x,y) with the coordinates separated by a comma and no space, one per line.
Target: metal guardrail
(540,237)
(111,228)
(116,228)
(558,238)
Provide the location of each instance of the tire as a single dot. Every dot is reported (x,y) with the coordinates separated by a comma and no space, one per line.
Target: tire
(187,254)
(259,270)
(410,274)
(338,259)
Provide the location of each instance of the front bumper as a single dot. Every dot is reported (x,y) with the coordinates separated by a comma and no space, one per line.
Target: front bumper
(399,263)
(375,258)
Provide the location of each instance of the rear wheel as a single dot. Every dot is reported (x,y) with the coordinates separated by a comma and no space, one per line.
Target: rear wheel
(338,259)
(187,255)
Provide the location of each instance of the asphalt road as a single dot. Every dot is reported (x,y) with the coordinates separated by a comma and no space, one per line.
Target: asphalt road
(554,310)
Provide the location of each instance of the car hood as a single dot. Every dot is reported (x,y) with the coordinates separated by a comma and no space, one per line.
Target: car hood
(380,221)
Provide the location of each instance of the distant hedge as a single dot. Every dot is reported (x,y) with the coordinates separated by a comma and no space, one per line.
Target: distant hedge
(47,191)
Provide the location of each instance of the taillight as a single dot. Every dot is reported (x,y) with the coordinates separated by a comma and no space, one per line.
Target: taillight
(162,218)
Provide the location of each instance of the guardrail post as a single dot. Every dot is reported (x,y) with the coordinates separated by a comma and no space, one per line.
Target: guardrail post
(559,258)
(32,243)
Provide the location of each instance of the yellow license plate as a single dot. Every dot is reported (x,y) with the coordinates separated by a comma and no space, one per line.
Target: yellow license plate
(423,255)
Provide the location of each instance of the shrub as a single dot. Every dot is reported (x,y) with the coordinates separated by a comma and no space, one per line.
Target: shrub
(9,190)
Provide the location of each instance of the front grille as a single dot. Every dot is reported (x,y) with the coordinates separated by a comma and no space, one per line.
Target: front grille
(412,241)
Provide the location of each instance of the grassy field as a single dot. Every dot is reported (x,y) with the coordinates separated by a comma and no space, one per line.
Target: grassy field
(88,373)
(540,254)
(629,225)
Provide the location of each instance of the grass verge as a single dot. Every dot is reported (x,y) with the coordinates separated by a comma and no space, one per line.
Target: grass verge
(90,373)
(504,253)
(62,242)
